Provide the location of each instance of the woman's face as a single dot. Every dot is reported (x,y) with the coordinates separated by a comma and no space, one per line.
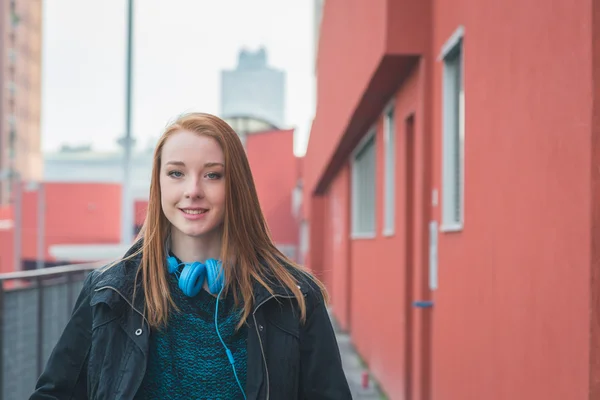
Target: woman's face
(192,183)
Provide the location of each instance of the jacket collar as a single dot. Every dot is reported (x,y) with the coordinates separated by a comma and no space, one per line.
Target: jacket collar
(121,278)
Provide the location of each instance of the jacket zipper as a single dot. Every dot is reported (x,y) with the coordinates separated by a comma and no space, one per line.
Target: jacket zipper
(260,340)
(124,298)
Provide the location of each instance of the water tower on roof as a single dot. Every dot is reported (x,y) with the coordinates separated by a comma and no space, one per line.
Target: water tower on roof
(254,89)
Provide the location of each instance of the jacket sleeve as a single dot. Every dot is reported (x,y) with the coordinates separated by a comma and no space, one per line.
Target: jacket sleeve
(322,375)
(66,370)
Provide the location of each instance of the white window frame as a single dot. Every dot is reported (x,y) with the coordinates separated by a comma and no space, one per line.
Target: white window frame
(453,134)
(358,233)
(389,178)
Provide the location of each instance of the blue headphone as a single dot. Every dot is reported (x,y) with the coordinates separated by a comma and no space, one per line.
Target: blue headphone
(193,275)
(190,281)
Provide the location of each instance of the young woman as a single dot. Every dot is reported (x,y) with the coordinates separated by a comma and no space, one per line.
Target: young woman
(203,306)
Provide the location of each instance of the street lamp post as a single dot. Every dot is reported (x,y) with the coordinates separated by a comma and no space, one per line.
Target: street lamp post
(127,201)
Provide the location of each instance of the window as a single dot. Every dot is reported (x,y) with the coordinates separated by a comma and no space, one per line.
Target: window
(453,134)
(389,141)
(363,189)
(303,242)
(297,198)
(12,56)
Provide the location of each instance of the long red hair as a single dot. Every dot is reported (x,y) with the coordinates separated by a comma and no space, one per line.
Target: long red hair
(248,253)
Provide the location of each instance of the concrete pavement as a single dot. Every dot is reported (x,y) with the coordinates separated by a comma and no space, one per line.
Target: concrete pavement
(354,368)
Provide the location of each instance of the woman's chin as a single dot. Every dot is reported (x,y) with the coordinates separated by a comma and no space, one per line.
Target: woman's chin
(198,232)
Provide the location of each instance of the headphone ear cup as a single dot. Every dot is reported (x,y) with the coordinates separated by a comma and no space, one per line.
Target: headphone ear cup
(192,278)
(172,264)
(214,276)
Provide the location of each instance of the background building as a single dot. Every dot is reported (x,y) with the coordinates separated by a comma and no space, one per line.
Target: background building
(254,89)
(61,223)
(20,85)
(275,169)
(84,165)
(245,125)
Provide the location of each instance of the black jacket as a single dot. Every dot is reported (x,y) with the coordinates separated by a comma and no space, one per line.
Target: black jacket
(103,351)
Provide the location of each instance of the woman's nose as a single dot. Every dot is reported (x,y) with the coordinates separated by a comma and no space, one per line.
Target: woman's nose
(194,190)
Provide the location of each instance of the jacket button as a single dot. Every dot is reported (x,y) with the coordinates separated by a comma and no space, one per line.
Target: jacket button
(260,328)
(138,332)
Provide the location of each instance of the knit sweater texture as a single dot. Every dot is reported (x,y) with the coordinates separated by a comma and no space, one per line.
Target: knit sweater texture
(187,360)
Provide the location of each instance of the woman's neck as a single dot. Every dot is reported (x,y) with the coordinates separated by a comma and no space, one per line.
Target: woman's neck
(190,249)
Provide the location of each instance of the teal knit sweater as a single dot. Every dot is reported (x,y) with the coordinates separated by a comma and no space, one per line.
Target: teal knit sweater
(187,360)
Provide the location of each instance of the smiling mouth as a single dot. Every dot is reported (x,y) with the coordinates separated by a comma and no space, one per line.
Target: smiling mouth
(194,211)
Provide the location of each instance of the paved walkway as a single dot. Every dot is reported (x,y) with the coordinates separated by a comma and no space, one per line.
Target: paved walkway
(354,369)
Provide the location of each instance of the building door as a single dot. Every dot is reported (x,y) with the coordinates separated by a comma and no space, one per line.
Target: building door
(418,308)
(409,261)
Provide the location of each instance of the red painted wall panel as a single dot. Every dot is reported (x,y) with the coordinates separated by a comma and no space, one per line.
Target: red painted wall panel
(275,170)
(318,226)
(328,241)
(76,213)
(338,249)
(514,284)
(408,24)
(6,250)
(6,239)
(140,210)
(595,217)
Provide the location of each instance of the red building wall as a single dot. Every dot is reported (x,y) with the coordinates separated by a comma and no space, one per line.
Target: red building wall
(595,217)
(317,223)
(83,213)
(380,265)
(514,284)
(6,239)
(359,51)
(511,316)
(337,263)
(370,284)
(347,61)
(75,213)
(140,211)
(275,170)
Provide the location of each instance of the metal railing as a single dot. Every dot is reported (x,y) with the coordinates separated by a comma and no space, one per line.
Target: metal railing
(35,306)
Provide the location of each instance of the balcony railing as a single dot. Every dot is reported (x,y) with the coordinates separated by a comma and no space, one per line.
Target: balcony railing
(35,306)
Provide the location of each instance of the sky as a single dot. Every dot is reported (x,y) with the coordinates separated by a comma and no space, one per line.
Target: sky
(180,47)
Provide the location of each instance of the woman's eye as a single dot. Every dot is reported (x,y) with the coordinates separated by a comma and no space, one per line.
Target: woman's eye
(213,175)
(175,174)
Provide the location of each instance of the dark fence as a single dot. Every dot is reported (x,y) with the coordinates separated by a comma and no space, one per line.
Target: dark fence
(34,309)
